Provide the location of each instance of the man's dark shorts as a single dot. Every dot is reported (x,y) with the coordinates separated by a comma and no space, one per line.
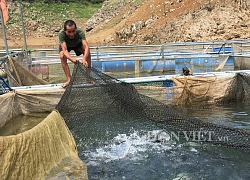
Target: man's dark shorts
(78,53)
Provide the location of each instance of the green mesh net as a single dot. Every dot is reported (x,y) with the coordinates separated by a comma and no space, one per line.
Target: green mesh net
(93,95)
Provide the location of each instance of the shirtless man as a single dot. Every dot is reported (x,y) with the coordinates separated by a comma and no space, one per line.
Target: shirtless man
(72,38)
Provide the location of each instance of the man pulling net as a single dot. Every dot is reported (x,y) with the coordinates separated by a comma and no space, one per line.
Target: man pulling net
(72,38)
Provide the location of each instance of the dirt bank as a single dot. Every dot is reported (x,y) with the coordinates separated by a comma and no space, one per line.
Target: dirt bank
(152,22)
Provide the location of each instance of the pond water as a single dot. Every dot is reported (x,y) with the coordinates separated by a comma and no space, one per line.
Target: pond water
(125,148)
(22,123)
(130,149)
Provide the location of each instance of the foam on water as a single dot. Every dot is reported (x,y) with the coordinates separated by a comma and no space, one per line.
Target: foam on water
(143,154)
(131,145)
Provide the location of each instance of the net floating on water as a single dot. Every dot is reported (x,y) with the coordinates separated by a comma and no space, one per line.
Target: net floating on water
(107,97)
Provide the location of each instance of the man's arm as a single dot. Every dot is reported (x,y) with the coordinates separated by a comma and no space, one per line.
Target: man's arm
(66,53)
(86,54)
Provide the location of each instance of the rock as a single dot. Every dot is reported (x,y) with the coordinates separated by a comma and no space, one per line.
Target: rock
(195,21)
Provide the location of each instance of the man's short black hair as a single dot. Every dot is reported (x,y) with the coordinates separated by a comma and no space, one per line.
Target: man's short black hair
(69,23)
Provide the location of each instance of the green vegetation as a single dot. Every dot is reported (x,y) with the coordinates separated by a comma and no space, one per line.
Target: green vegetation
(86,2)
(52,13)
(139,2)
(68,10)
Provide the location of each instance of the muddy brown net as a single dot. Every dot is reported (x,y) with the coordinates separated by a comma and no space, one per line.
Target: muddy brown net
(20,75)
(35,142)
(238,90)
(214,89)
(93,95)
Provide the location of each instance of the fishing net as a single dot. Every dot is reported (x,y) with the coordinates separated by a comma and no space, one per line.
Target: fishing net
(93,95)
(238,90)
(19,75)
(227,89)
(48,150)
(34,149)
(190,90)
(33,153)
